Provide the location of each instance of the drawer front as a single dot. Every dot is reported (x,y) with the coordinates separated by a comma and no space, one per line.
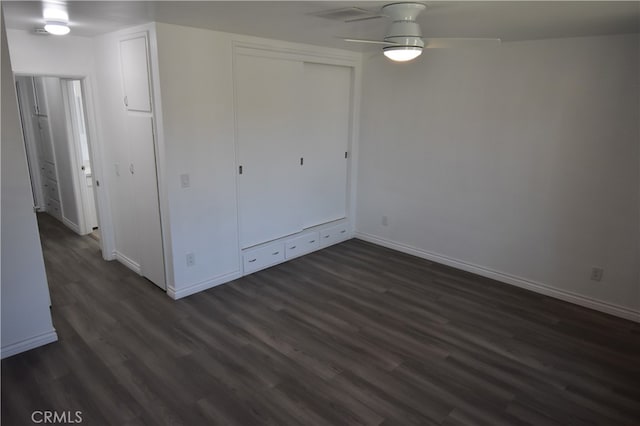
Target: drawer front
(50,171)
(302,245)
(333,235)
(52,189)
(263,257)
(53,208)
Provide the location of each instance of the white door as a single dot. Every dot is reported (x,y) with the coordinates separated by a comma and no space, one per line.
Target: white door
(269,130)
(327,106)
(145,211)
(135,73)
(81,159)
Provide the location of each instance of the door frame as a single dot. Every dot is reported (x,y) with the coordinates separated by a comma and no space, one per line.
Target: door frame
(97,158)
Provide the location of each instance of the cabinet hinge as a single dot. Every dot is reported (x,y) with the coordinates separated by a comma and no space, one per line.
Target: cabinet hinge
(302,161)
(240,170)
(346,154)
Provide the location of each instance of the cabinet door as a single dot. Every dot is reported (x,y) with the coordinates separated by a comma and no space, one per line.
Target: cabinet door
(40,104)
(268,114)
(327,106)
(135,73)
(145,211)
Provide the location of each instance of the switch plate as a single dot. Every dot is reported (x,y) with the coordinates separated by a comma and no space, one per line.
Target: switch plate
(596,273)
(185,180)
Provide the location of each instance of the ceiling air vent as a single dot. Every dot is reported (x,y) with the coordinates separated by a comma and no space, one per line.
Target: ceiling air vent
(347,14)
(40,31)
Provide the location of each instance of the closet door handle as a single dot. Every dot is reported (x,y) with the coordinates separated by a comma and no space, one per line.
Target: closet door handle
(276,253)
(292,247)
(252,260)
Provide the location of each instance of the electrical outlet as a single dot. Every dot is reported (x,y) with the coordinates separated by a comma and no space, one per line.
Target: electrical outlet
(596,273)
(385,221)
(191,259)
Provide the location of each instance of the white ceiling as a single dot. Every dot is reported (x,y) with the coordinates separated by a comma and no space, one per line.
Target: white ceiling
(295,20)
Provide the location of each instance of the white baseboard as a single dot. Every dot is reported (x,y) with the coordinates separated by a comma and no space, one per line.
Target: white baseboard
(28,344)
(547,290)
(175,294)
(135,267)
(71,225)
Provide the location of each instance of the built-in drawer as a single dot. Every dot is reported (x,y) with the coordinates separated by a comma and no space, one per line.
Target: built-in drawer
(52,189)
(334,235)
(53,208)
(302,244)
(50,171)
(262,257)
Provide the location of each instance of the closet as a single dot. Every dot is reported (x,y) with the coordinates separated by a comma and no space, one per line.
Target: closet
(136,203)
(293,125)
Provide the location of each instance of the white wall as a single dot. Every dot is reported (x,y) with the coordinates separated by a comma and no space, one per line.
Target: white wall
(68,56)
(197,116)
(49,55)
(61,140)
(518,162)
(26,319)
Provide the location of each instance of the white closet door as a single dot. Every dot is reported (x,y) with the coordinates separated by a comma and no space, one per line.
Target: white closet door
(146,212)
(268,114)
(135,73)
(327,107)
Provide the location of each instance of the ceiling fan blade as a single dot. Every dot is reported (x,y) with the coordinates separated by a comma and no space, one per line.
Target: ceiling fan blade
(447,42)
(360,40)
(366,18)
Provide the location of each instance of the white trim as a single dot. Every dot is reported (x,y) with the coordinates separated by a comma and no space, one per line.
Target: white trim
(30,343)
(547,290)
(160,154)
(175,294)
(128,262)
(73,226)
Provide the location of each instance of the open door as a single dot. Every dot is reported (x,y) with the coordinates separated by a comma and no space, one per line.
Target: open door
(81,155)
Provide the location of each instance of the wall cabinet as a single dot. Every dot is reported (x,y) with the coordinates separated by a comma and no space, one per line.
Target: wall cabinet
(134,58)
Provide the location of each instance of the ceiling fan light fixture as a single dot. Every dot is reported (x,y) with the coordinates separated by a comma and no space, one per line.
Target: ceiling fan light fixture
(402,53)
(57,27)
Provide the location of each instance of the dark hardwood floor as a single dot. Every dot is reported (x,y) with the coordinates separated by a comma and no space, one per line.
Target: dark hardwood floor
(353,334)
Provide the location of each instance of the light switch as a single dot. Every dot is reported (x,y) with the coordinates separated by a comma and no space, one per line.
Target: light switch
(184,180)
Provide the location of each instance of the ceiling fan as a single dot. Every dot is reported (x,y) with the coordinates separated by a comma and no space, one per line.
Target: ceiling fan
(404,40)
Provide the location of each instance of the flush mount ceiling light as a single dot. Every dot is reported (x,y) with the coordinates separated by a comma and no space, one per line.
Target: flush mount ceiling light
(56,18)
(57,28)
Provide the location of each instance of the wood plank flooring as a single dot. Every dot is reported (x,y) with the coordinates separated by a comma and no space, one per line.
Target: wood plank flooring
(353,334)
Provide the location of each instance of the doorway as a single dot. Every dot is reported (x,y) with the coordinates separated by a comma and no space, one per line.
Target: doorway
(58,146)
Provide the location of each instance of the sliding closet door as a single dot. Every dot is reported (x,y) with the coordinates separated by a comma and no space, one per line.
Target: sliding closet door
(327,106)
(269,130)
